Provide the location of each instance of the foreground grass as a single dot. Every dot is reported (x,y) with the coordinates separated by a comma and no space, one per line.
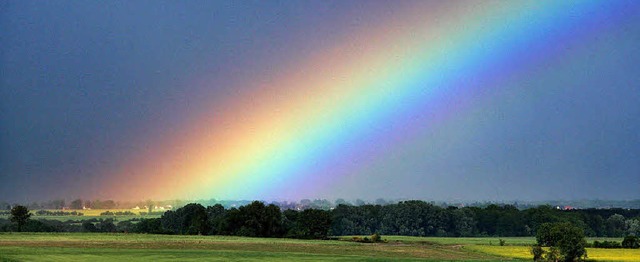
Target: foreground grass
(141,247)
(106,254)
(145,247)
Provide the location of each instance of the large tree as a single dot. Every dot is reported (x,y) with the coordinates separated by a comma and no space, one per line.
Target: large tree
(188,220)
(313,224)
(20,215)
(567,238)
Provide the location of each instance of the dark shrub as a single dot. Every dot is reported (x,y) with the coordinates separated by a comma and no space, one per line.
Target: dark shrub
(606,244)
(631,242)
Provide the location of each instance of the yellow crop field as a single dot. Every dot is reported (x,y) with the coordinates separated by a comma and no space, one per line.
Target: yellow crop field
(602,254)
(598,254)
(521,252)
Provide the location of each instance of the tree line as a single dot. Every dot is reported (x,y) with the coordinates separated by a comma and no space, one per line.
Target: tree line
(253,220)
(419,218)
(411,218)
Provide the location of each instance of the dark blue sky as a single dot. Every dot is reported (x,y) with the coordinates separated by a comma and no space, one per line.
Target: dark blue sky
(84,85)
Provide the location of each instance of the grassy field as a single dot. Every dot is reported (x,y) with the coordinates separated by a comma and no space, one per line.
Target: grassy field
(138,247)
(143,247)
(518,247)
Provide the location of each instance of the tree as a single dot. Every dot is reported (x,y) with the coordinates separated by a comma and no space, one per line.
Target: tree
(149,226)
(20,215)
(553,255)
(254,220)
(631,242)
(537,252)
(616,225)
(463,222)
(37,226)
(572,244)
(109,204)
(314,224)
(88,226)
(545,236)
(633,227)
(215,218)
(107,225)
(76,204)
(272,221)
(125,226)
(189,220)
(566,238)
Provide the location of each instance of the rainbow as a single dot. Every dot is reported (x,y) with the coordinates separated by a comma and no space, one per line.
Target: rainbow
(310,123)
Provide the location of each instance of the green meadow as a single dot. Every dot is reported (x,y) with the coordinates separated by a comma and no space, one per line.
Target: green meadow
(142,247)
(146,247)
